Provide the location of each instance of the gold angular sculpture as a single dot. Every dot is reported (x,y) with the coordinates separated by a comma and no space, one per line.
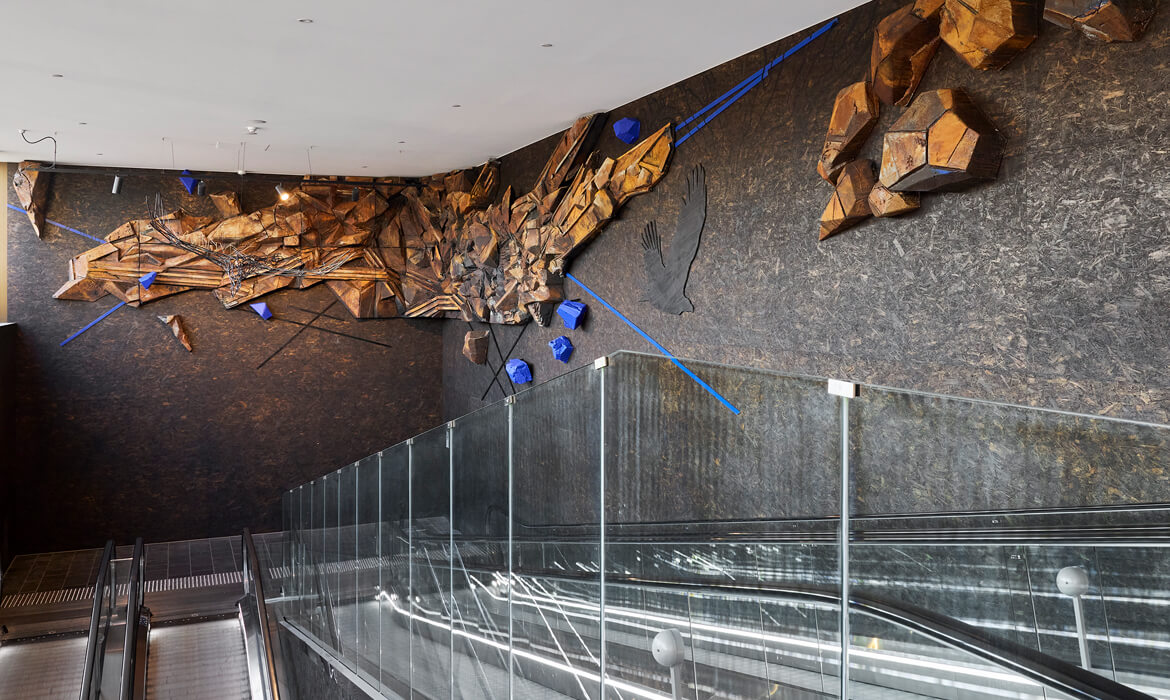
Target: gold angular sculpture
(903,45)
(855,112)
(883,202)
(175,323)
(475,346)
(941,142)
(988,34)
(32,188)
(849,204)
(437,250)
(1102,20)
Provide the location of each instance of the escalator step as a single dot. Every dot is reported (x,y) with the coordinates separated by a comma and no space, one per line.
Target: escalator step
(199,660)
(42,670)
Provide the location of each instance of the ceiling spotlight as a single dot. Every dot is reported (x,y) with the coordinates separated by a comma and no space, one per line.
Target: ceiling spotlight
(353,196)
(456,105)
(81,123)
(57,75)
(305,20)
(201,188)
(282,192)
(117,185)
(253,129)
(546,46)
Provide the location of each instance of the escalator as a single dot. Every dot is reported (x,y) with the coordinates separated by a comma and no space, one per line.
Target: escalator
(196,650)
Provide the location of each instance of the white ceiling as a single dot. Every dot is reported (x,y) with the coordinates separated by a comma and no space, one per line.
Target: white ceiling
(365,75)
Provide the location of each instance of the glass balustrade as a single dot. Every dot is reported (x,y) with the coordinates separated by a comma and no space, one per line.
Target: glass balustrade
(617,533)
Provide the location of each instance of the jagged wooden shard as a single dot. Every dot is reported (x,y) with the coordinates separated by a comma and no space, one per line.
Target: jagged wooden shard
(175,323)
(903,45)
(475,346)
(227,204)
(941,142)
(32,188)
(989,33)
(855,112)
(438,250)
(849,204)
(1102,20)
(883,202)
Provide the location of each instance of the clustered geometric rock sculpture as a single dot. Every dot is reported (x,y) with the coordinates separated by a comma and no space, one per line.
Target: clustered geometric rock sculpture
(943,141)
(903,45)
(572,313)
(988,34)
(849,204)
(855,112)
(436,249)
(1102,20)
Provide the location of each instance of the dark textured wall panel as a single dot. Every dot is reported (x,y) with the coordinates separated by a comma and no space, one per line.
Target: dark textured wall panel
(1047,287)
(122,432)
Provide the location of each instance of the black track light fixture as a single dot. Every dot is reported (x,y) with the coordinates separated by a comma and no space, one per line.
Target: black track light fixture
(117,185)
(201,188)
(354,195)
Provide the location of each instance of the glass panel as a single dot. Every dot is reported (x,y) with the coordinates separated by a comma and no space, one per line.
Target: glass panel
(430,567)
(394,571)
(555,591)
(695,493)
(113,621)
(366,579)
(316,560)
(331,569)
(479,450)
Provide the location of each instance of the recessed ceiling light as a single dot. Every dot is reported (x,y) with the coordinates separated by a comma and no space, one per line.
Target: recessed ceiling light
(546,46)
(58,75)
(364,167)
(258,121)
(82,123)
(101,154)
(305,20)
(456,105)
(401,142)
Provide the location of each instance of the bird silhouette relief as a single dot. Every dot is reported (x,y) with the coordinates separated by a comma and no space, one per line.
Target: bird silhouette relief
(667,280)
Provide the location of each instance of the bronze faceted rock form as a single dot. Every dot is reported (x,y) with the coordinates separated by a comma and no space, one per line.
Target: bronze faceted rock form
(941,142)
(475,346)
(32,188)
(988,34)
(1102,20)
(903,45)
(855,112)
(175,323)
(849,204)
(883,202)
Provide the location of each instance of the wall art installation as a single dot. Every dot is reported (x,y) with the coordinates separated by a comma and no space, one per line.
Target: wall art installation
(32,189)
(1102,20)
(988,34)
(943,141)
(433,250)
(175,323)
(666,278)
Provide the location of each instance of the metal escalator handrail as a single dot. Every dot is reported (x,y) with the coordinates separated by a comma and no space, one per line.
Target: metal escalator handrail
(91,644)
(255,586)
(1035,665)
(135,595)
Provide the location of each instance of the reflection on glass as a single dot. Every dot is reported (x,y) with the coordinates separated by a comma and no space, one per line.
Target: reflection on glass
(617,519)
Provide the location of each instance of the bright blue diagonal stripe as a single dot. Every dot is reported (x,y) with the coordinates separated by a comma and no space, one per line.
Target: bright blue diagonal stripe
(670,356)
(745,85)
(94,322)
(60,225)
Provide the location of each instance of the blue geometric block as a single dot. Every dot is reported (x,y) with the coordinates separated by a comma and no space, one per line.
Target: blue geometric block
(188,181)
(572,312)
(562,348)
(147,279)
(262,309)
(627,129)
(519,371)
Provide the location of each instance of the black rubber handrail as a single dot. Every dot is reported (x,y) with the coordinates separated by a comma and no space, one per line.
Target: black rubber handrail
(135,595)
(254,585)
(91,645)
(1030,663)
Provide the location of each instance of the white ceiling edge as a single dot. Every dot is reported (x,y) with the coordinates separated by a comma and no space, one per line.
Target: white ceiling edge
(150,79)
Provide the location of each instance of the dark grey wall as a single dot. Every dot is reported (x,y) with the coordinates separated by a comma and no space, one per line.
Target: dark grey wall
(1048,287)
(123,433)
